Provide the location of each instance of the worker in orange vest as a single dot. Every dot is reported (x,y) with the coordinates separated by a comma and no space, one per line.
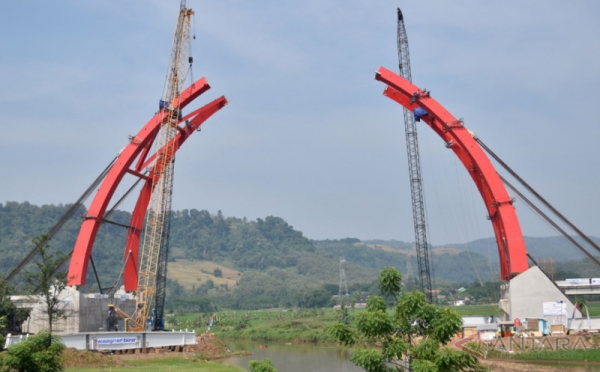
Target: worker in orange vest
(517,324)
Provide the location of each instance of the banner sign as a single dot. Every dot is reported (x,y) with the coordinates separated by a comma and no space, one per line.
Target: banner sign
(117,340)
(555,308)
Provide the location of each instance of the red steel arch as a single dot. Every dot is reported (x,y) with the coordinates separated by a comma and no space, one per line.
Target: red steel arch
(138,148)
(130,277)
(511,246)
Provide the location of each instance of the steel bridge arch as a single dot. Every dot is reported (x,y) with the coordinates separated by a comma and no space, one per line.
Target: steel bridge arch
(138,148)
(509,238)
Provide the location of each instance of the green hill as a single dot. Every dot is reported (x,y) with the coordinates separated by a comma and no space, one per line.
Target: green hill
(262,263)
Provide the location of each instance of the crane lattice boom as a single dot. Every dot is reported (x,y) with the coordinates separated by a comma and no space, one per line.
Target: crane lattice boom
(414,169)
(154,253)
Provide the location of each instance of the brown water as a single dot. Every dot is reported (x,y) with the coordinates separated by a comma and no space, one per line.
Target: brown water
(296,357)
(324,358)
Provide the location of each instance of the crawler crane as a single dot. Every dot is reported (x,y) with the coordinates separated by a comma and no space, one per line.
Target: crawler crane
(414,168)
(154,253)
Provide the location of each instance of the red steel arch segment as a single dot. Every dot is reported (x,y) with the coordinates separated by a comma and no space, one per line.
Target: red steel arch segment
(509,238)
(139,144)
(130,274)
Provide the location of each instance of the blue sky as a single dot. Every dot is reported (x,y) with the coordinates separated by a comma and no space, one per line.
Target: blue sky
(307,135)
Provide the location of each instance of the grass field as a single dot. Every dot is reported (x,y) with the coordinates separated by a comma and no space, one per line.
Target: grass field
(194,273)
(162,364)
(591,355)
(491,309)
(594,308)
(266,325)
(544,356)
(307,325)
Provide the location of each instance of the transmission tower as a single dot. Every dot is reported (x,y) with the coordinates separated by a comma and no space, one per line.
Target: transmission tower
(409,269)
(414,169)
(343,284)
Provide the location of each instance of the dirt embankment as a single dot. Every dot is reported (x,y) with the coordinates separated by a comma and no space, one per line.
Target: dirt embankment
(497,365)
(517,345)
(206,349)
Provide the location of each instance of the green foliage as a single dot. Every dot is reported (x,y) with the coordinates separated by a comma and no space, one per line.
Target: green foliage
(343,333)
(264,365)
(261,245)
(2,324)
(196,304)
(10,315)
(370,360)
(389,281)
(274,258)
(218,273)
(375,303)
(415,333)
(38,353)
(241,323)
(46,281)
(343,315)
(313,297)
(374,323)
(488,293)
(445,324)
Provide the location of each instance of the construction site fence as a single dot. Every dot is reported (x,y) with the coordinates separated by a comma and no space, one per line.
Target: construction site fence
(108,341)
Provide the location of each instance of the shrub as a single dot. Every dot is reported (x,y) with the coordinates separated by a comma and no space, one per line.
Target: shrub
(38,353)
(264,365)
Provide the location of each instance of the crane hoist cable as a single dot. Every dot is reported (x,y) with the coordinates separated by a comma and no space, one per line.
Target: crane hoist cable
(59,224)
(551,222)
(537,195)
(104,220)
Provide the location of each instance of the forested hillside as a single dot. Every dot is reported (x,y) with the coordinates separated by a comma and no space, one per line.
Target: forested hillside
(557,247)
(273,264)
(275,261)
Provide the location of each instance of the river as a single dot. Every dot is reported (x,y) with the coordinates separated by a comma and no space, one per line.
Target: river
(295,357)
(322,358)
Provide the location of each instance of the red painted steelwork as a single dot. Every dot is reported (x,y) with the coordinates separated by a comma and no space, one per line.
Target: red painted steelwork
(130,277)
(511,246)
(138,144)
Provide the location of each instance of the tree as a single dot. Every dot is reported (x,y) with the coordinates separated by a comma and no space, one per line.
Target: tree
(46,281)
(38,353)
(2,330)
(264,365)
(218,273)
(342,315)
(313,297)
(12,316)
(412,338)
(200,304)
(7,308)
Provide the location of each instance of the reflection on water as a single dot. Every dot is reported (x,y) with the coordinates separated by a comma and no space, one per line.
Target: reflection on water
(296,357)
